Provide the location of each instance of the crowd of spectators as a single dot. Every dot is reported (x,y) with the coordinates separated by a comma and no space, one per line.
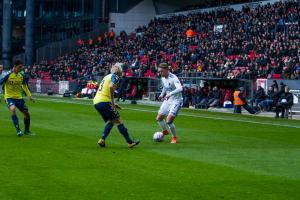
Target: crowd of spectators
(277,98)
(206,97)
(209,4)
(252,43)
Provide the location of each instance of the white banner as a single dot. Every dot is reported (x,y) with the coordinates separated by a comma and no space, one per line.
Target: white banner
(63,87)
(262,83)
(38,86)
(218,28)
(296,94)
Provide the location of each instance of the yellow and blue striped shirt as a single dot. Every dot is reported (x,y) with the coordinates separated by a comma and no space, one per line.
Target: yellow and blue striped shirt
(103,93)
(14,84)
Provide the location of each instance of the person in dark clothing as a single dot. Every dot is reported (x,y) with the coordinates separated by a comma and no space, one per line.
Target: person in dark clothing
(199,95)
(282,88)
(215,97)
(207,94)
(186,97)
(240,101)
(275,85)
(271,99)
(258,97)
(285,102)
(122,88)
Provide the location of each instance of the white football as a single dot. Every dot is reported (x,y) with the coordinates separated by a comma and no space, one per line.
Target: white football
(158,136)
(283,100)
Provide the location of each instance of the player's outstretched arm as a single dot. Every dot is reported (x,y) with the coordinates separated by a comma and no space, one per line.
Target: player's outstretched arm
(32,99)
(162,94)
(117,106)
(177,90)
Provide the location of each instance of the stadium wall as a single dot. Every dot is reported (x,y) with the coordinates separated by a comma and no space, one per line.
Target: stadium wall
(162,7)
(139,15)
(55,49)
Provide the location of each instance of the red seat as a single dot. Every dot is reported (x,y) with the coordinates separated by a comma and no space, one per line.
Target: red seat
(192,48)
(149,73)
(129,72)
(251,55)
(276,76)
(232,57)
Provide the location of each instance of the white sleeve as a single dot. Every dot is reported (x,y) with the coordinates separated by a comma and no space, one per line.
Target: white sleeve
(178,87)
(163,92)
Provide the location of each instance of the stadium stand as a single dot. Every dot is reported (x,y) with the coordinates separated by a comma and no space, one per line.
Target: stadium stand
(251,45)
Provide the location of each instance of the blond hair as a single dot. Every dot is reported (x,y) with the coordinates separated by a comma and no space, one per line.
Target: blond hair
(163,66)
(117,68)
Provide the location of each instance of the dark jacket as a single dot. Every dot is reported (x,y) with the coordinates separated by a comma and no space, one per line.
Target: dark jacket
(123,83)
(289,99)
(216,94)
(274,96)
(260,94)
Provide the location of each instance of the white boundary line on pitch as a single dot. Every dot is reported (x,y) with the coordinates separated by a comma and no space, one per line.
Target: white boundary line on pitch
(182,114)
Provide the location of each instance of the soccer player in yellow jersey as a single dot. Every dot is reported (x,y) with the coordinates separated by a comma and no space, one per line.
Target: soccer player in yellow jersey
(14,84)
(104,104)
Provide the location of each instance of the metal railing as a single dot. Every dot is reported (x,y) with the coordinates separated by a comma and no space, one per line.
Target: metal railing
(296,107)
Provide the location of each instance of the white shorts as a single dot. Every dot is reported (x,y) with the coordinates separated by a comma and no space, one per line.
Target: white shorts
(172,108)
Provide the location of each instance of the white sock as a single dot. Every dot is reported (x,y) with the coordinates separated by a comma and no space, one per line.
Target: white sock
(162,124)
(172,129)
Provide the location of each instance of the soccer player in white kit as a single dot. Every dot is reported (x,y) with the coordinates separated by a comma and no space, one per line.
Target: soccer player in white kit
(172,100)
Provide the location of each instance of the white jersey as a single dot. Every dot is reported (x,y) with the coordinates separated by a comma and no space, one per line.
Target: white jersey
(172,87)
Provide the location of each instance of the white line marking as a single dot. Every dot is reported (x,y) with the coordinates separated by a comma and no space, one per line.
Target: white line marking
(183,114)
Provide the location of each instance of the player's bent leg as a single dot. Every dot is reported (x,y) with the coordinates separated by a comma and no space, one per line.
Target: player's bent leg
(105,133)
(162,113)
(107,130)
(14,118)
(162,123)
(13,109)
(123,130)
(27,122)
(172,127)
(106,113)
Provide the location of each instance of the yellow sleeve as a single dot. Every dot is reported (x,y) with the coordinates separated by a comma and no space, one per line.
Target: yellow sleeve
(26,90)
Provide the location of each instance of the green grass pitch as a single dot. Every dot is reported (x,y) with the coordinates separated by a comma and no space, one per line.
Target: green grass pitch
(219,156)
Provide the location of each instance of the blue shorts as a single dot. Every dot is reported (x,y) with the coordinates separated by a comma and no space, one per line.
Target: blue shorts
(19,103)
(106,111)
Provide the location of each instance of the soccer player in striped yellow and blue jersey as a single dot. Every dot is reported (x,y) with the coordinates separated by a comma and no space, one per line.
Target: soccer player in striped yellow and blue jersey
(104,104)
(14,85)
